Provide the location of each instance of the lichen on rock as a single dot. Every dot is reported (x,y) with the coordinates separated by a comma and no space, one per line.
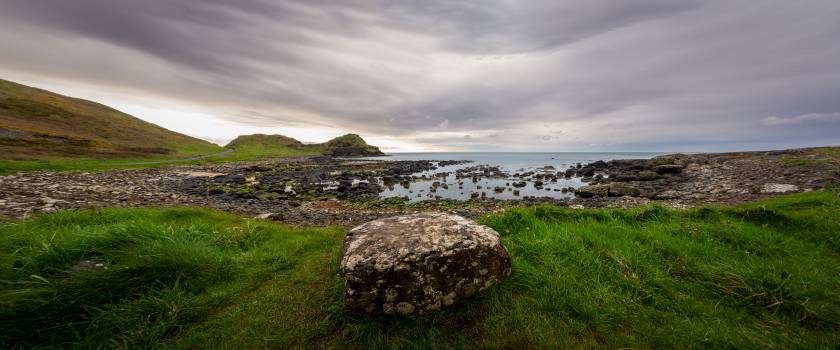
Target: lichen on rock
(416,264)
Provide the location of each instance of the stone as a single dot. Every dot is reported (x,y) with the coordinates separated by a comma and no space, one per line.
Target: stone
(669,169)
(669,194)
(778,188)
(419,263)
(647,175)
(619,189)
(586,171)
(599,190)
(599,164)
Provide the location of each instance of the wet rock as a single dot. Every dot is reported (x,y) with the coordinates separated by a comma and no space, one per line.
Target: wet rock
(669,169)
(416,264)
(619,189)
(599,190)
(586,171)
(599,164)
(647,175)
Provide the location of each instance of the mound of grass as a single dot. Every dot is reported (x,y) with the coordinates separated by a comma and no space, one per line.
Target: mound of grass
(350,145)
(278,146)
(764,275)
(262,146)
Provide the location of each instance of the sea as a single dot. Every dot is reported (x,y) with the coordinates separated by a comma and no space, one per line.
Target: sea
(509,162)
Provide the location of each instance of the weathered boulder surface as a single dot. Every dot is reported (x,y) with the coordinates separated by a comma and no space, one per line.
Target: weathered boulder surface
(669,169)
(618,189)
(416,264)
(612,189)
(599,190)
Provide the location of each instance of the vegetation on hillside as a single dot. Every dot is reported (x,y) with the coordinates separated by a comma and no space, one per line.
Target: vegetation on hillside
(818,155)
(350,145)
(259,145)
(763,275)
(41,130)
(37,125)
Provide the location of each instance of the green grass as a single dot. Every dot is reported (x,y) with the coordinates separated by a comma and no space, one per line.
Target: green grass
(49,125)
(9,167)
(256,150)
(279,146)
(764,275)
(814,156)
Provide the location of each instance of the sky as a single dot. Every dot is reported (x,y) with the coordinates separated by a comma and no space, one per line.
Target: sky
(436,75)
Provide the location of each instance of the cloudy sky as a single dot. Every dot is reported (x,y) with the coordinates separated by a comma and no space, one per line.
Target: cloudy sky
(435,75)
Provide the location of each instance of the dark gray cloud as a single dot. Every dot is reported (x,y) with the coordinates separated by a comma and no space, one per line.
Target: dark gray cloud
(564,75)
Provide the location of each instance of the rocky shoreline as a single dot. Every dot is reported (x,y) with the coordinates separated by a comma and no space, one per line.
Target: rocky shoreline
(332,191)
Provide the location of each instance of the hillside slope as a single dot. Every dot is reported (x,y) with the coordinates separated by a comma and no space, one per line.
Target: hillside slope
(37,124)
(283,146)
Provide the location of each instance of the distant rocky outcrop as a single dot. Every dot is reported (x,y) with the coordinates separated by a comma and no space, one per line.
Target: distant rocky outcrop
(350,145)
(416,264)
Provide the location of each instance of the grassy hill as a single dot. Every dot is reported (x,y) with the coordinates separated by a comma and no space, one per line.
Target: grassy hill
(43,130)
(281,146)
(350,145)
(762,275)
(36,125)
(259,145)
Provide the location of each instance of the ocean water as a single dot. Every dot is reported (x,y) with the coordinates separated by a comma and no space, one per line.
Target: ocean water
(509,162)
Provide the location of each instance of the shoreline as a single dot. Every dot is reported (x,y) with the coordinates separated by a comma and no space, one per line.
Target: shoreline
(294,191)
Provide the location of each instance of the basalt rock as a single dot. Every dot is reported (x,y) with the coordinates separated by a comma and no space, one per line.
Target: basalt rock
(647,175)
(613,189)
(669,169)
(619,189)
(416,264)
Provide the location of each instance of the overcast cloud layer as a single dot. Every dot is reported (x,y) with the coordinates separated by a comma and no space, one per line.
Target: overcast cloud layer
(546,75)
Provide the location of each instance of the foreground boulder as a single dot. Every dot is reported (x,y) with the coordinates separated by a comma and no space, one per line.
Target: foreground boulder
(416,264)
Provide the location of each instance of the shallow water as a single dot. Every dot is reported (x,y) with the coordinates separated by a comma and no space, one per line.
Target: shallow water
(512,163)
